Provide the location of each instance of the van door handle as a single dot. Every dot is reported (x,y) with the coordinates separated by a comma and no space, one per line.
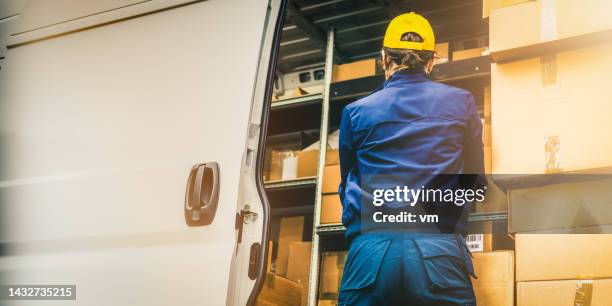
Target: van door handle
(202,194)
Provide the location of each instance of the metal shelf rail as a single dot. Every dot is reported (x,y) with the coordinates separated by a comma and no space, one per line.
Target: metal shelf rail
(291,183)
(297,101)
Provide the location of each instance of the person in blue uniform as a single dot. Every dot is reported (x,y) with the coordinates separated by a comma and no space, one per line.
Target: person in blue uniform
(412,134)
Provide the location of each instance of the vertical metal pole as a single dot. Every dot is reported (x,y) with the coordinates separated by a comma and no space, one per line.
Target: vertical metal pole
(314,257)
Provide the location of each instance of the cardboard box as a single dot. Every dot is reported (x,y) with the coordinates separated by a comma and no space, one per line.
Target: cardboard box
(279,291)
(495,199)
(488,5)
(542,21)
(331,209)
(486,130)
(494,237)
(331,179)
(442,51)
(332,157)
(495,282)
(355,70)
(307,163)
(332,265)
(291,230)
(283,165)
(563,256)
(466,54)
(298,267)
(560,206)
(596,292)
(327,303)
(486,133)
(535,99)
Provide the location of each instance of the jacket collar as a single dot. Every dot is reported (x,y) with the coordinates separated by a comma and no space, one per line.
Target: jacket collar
(405,76)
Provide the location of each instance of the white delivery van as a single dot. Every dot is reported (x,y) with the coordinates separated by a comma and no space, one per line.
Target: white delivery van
(130,148)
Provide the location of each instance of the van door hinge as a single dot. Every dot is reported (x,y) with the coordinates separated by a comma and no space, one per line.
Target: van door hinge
(245,216)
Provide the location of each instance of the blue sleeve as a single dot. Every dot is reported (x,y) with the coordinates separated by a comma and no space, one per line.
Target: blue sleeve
(347,154)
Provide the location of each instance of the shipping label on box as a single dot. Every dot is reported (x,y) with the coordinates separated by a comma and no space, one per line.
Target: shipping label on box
(475,242)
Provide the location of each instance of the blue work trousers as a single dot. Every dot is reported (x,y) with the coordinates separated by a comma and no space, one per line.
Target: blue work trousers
(407,269)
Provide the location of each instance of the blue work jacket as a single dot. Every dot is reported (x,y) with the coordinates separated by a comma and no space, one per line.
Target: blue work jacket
(412,128)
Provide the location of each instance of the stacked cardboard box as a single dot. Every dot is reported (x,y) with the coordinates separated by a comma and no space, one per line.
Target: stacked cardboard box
(331,207)
(495,283)
(564,269)
(278,290)
(332,265)
(544,21)
(488,5)
(468,53)
(291,230)
(293,256)
(298,267)
(549,111)
(355,70)
(535,98)
(282,165)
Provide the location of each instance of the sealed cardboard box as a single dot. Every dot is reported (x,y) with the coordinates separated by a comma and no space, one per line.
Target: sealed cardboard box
(355,70)
(535,101)
(332,265)
(560,206)
(546,20)
(486,130)
(332,157)
(495,199)
(488,5)
(298,267)
(307,163)
(495,283)
(596,292)
(331,209)
(563,256)
(442,51)
(331,179)
(283,165)
(466,54)
(291,230)
(279,291)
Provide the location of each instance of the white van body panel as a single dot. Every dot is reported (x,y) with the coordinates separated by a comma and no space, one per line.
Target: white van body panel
(98,131)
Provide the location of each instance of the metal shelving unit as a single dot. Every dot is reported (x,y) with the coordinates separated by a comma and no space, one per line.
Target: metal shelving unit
(325,32)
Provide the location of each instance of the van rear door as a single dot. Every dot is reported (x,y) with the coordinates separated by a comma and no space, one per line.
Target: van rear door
(128,136)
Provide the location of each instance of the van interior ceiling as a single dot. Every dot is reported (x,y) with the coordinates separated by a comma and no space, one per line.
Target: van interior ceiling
(304,230)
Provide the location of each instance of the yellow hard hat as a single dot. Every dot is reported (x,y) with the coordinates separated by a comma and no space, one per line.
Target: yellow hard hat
(410,22)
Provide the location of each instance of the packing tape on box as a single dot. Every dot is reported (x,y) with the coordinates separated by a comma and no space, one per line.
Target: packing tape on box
(548,20)
(584,293)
